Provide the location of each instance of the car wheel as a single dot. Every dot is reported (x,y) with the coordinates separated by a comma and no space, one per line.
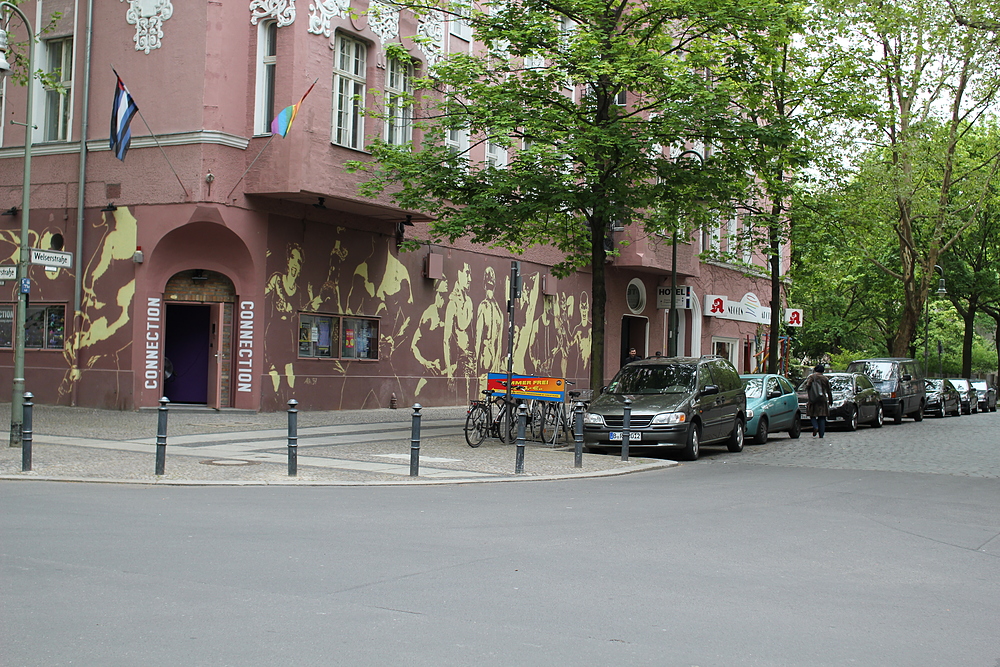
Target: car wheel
(735,443)
(879,417)
(994,408)
(691,448)
(762,433)
(796,429)
(919,414)
(852,420)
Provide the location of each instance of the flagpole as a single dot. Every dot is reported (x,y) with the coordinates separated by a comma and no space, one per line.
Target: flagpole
(153,134)
(269,140)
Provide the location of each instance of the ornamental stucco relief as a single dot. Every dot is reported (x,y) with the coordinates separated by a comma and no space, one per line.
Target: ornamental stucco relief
(322,12)
(148,16)
(430,36)
(282,11)
(383,20)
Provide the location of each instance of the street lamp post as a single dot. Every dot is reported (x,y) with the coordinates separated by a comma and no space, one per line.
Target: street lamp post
(17,400)
(672,313)
(927,317)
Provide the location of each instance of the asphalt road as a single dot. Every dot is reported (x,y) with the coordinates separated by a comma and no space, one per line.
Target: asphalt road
(874,548)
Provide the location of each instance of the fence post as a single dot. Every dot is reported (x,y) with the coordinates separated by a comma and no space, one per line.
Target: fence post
(161,436)
(26,434)
(578,435)
(415,441)
(293,438)
(522,419)
(626,423)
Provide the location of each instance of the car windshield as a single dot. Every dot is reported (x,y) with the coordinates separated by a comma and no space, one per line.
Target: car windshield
(754,387)
(654,379)
(878,371)
(980,385)
(936,385)
(961,385)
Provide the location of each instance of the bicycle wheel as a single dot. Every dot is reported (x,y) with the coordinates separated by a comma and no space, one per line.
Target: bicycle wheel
(536,415)
(553,423)
(477,425)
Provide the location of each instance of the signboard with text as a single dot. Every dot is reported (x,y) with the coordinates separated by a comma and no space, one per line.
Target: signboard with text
(528,387)
(682,298)
(747,309)
(57,258)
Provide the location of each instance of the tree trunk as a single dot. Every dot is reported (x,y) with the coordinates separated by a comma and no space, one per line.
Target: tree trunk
(598,310)
(969,318)
(774,339)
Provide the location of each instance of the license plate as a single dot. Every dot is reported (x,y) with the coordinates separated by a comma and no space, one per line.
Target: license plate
(632,436)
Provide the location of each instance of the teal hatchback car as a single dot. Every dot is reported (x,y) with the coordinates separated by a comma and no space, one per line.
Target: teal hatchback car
(772,405)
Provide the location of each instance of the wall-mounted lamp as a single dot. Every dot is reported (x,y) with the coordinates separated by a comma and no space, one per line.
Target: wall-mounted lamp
(198,276)
(11,211)
(401,230)
(110,207)
(321,203)
(137,256)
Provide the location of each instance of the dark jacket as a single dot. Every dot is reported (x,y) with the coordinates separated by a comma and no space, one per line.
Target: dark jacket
(629,359)
(820,408)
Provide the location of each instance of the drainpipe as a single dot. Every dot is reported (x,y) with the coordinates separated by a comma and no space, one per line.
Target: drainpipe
(81,187)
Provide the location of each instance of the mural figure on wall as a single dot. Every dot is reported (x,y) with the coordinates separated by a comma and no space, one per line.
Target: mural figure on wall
(283,287)
(428,337)
(459,363)
(490,329)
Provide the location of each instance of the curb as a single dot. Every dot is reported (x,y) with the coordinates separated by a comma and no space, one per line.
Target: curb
(643,467)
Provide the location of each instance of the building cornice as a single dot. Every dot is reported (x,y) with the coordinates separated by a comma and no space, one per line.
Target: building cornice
(97,145)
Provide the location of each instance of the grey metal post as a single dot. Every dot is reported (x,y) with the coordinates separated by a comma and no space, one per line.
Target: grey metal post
(522,419)
(26,434)
(415,441)
(161,436)
(626,424)
(293,438)
(578,435)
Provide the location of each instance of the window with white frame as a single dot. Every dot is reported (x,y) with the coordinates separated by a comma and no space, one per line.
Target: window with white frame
(59,67)
(457,139)
(349,85)
(399,111)
(711,238)
(267,59)
(457,24)
(496,155)
(748,245)
(727,348)
(733,236)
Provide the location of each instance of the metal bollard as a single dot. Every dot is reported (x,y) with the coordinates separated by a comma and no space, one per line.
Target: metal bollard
(626,423)
(26,434)
(578,435)
(415,441)
(161,436)
(293,438)
(522,420)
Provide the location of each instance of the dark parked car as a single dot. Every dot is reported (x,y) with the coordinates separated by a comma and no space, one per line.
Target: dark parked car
(901,383)
(942,398)
(855,400)
(987,395)
(970,400)
(675,402)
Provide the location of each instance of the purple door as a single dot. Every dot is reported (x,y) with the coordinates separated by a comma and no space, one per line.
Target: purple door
(186,347)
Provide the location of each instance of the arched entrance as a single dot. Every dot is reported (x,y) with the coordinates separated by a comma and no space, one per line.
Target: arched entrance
(197,339)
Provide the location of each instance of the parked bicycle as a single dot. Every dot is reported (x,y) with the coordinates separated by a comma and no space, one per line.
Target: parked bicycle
(557,419)
(495,416)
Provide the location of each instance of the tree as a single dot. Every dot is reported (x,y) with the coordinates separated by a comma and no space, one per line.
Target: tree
(587,97)
(934,81)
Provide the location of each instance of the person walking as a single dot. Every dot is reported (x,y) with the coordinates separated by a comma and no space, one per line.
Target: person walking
(819,399)
(632,356)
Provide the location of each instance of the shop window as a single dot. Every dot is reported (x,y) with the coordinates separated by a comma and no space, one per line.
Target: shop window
(44,327)
(360,339)
(332,337)
(319,336)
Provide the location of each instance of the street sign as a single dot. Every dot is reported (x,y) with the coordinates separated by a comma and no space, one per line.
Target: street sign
(57,258)
(8,272)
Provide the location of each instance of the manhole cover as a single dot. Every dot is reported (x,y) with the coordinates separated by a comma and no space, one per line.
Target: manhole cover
(229,462)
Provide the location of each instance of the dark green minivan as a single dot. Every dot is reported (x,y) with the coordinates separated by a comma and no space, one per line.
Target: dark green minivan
(681,402)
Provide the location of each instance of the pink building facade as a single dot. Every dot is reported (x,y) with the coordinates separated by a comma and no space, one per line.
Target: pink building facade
(228,267)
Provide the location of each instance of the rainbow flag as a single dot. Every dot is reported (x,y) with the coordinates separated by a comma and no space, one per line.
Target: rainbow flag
(283,121)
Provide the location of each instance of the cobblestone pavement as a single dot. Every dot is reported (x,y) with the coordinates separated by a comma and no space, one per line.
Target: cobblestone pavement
(968,445)
(235,447)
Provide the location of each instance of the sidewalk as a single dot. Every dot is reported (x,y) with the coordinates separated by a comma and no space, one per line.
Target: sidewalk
(350,447)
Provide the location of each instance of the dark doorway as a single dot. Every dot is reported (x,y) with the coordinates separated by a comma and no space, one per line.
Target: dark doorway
(186,348)
(633,335)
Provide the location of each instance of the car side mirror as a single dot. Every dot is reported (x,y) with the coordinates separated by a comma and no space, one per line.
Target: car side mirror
(710,389)
(774,393)
(907,377)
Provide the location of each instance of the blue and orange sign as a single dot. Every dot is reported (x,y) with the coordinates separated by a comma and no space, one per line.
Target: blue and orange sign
(528,387)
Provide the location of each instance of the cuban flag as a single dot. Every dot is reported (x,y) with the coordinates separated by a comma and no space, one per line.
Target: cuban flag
(122,111)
